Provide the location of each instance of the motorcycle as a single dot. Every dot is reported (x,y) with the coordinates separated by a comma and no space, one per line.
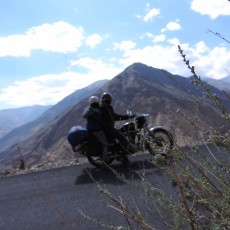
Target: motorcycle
(155,140)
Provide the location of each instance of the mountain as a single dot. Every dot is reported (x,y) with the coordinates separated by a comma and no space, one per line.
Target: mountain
(141,88)
(222,84)
(23,132)
(226,79)
(13,118)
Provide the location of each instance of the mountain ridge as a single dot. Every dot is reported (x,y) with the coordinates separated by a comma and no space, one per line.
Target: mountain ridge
(23,132)
(16,117)
(142,89)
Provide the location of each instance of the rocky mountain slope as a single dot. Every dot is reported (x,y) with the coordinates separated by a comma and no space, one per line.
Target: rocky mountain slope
(13,118)
(141,88)
(23,132)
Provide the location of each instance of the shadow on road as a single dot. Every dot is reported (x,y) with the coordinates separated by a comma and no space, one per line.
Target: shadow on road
(112,175)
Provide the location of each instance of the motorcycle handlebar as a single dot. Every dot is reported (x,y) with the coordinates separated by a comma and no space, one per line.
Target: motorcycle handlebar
(136,114)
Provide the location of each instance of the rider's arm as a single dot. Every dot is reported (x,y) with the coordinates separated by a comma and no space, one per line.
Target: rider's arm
(119,117)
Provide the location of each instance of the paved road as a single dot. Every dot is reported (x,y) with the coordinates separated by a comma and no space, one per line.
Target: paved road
(53,199)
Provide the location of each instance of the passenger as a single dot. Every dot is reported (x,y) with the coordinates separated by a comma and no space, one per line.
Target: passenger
(95,124)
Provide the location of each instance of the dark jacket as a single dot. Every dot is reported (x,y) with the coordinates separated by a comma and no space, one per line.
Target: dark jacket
(109,116)
(94,119)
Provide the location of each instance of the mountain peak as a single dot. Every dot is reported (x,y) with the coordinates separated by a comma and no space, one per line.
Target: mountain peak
(141,88)
(140,67)
(150,73)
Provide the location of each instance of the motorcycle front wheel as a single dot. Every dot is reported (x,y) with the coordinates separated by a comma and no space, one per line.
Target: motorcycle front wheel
(97,161)
(159,142)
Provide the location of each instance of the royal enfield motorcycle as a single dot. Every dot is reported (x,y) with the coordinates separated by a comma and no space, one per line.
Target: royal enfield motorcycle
(155,140)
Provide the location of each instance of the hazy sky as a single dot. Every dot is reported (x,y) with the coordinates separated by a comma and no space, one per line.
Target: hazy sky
(50,48)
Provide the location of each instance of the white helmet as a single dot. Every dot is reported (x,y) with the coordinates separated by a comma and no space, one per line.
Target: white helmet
(93,99)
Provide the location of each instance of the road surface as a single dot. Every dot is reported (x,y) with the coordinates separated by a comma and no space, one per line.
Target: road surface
(59,198)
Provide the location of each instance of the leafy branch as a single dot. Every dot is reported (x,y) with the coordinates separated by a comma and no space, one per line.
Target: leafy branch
(207,92)
(219,35)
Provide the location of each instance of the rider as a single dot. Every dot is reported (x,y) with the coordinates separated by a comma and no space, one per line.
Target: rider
(109,116)
(94,123)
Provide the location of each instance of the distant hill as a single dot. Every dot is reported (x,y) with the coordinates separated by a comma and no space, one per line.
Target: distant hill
(226,79)
(141,88)
(13,118)
(222,84)
(28,129)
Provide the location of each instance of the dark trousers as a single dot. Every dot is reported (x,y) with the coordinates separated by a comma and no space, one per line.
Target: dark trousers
(100,135)
(113,133)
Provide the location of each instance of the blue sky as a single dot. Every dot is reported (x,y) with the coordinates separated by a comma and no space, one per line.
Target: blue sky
(50,48)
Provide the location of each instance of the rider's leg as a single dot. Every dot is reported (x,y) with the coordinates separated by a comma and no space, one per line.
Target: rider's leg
(102,139)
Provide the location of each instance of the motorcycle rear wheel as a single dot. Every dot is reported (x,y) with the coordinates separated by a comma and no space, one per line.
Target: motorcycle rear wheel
(97,162)
(160,142)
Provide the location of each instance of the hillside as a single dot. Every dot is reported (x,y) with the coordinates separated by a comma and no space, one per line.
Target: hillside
(144,90)
(13,118)
(222,84)
(23,132)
